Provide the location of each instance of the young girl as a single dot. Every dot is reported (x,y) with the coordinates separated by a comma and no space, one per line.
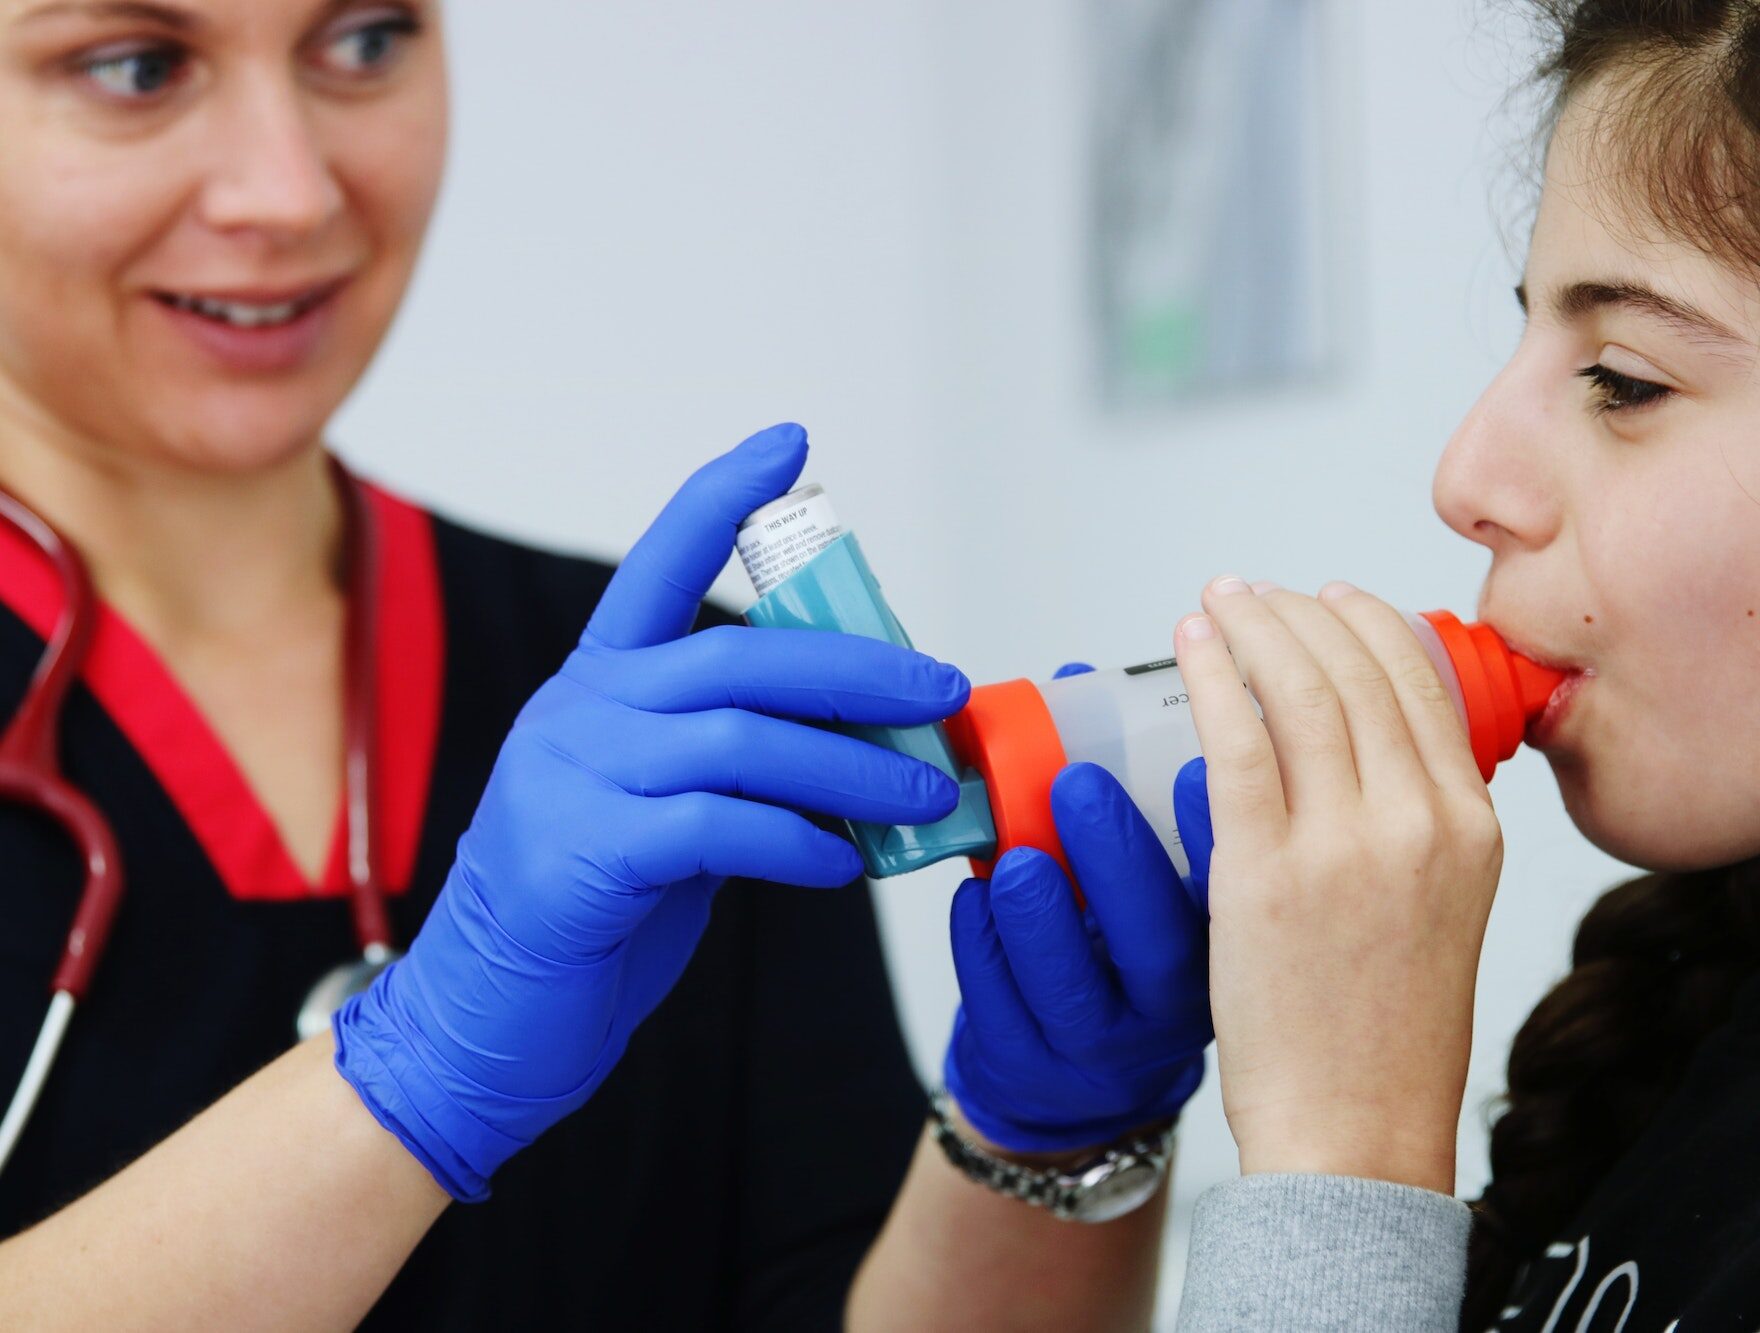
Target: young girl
(1613,471)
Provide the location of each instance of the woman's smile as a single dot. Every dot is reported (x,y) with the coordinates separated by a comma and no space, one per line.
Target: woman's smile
(254,330)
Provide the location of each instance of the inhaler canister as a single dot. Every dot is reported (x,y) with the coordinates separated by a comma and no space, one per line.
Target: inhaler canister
(811,574)
(778,541)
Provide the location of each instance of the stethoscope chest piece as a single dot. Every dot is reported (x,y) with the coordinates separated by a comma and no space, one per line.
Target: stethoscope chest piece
(340,985)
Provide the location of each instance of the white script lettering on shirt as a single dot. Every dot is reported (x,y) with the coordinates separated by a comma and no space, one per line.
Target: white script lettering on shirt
(1626,1273)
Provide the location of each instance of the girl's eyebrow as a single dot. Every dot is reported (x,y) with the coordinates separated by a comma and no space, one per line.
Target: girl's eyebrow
(1584,298)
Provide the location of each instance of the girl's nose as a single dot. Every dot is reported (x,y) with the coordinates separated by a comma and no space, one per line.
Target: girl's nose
(1497,481)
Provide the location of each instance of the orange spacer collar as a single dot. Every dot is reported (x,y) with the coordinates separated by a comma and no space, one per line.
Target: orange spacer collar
(1502,689)
(1005,732)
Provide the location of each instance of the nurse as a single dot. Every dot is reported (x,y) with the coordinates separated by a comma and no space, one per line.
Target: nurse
(654,1115)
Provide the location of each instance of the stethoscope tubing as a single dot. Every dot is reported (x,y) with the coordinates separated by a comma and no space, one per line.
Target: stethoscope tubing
(30,762)
(372,920)
(30,775)
(36,1072)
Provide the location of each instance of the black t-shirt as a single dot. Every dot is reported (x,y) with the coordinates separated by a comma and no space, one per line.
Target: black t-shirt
(1671,1238)
(730,1173)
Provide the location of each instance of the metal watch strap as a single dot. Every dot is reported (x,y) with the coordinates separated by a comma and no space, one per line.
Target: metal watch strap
(1057,1190)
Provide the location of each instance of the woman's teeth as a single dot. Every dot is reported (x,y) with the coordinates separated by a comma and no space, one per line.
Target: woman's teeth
(242,316)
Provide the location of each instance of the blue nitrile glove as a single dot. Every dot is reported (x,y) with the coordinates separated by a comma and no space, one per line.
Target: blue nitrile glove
(1191,813)
(655,764)
(1074,1029)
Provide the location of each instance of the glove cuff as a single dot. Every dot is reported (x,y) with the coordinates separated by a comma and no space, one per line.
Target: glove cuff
(1014,1134)
(388,1069)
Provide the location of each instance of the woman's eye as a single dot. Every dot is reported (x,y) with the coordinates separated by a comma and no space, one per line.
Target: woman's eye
(371,47)
(1615,392)
(137,75)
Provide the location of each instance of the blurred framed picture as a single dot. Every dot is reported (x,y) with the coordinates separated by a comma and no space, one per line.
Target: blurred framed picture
(1213,191)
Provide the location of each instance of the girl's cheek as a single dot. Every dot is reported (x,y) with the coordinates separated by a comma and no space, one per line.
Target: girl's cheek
(1674,552)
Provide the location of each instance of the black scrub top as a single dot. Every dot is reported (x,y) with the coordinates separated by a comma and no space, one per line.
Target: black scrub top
(1671,1236)
(731,1172)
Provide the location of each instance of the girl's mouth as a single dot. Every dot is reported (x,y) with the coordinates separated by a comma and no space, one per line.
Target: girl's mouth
(1542,728)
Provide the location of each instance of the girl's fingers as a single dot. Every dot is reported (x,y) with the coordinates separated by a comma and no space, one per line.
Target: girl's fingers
(1302,712)
(1381,743)
(1245,785)
(1430,714)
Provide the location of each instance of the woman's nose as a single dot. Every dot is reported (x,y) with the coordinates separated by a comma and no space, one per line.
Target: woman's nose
(1497,481)
(271,172)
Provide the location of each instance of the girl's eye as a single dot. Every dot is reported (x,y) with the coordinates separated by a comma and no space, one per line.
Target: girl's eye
(137,75)
(1615,392)
(371,47)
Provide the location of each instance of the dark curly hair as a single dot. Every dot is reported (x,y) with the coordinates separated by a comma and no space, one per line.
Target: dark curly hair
(1658,959)
(1656,964)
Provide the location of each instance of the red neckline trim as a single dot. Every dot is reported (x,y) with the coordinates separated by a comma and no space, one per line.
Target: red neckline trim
(161,722)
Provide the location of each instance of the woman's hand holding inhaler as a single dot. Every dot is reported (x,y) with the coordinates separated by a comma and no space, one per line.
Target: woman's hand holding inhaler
(1076,1027)
(1356,856)
(656,764)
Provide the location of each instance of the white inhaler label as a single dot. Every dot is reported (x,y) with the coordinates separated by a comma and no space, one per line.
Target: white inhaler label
(778,540)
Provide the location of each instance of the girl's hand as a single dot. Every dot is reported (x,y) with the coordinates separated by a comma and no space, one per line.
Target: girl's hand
(1356,855)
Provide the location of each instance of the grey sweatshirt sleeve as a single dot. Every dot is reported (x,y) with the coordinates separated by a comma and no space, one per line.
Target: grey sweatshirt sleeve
(1313,1252)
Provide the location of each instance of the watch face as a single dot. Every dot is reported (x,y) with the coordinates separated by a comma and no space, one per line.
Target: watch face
(1114,1189)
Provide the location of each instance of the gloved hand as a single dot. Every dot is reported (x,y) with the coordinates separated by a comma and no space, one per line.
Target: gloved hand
(1191,814)
(652,767)
(1075,1028)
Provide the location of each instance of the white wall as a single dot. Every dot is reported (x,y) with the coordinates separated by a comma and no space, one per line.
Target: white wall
(673,221)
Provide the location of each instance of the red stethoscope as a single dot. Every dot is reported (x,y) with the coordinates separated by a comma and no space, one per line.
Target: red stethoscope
(30,776)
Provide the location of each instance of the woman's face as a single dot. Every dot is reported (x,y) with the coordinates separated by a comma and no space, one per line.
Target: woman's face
(209,212)
(1613,470)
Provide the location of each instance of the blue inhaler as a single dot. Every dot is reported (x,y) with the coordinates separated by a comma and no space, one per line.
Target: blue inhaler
(811,574)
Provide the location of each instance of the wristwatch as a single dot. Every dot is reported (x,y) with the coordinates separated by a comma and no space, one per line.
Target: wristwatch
(1117,1180)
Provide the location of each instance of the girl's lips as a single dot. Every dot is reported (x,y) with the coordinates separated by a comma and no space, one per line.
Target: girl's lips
(1543,728)
(266,348)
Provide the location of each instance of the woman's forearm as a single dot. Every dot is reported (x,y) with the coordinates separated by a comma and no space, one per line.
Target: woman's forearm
(284,1205)
(955,1255)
